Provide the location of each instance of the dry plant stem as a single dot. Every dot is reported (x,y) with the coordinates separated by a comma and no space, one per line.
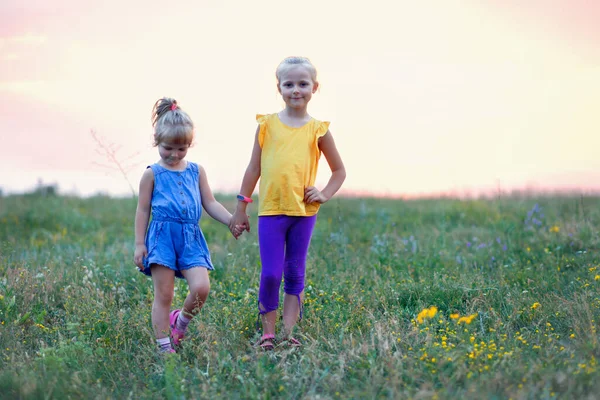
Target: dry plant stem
(109,150)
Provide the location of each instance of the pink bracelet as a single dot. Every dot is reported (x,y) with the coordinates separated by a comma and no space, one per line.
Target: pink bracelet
(243,198)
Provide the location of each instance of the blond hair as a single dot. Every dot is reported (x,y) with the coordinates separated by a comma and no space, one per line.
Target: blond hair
(290,62)
(171,124)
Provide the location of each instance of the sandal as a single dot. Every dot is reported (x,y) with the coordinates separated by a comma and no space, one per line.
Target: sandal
(292,342)
(266,342)
(176,335)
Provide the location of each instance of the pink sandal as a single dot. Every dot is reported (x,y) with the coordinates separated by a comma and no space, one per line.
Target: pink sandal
(176,335)
(266,342)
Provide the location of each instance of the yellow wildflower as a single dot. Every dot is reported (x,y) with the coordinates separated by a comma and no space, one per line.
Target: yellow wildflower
(535,305)
(454,316)
(41,327)
(467,320)
(597,278)
(555,229)
(427,313)
(432,311)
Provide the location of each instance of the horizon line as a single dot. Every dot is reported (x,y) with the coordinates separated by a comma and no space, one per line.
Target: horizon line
(459,194)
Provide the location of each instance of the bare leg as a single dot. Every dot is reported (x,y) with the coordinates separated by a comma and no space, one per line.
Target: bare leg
(291,312)
(199,285)
(268,322)
(164,282)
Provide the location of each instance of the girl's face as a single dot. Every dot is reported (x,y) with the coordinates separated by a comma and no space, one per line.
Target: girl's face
(296,86)
(172,153)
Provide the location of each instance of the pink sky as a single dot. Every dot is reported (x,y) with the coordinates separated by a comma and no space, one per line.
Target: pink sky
(461,97)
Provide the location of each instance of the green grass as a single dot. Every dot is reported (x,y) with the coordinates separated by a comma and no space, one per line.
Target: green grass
(75,313)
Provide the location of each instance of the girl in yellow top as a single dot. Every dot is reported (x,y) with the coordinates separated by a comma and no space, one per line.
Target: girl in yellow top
(285,157)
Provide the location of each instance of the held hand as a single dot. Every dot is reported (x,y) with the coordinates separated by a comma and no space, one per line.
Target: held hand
(314,195)
(237,230)
(239,220)
(138,257)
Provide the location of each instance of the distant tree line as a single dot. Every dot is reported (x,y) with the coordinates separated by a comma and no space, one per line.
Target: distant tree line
(41,189)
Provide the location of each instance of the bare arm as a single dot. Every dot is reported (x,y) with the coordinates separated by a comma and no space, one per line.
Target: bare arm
(338,172)
(249,181)
(142,216)
(210,204)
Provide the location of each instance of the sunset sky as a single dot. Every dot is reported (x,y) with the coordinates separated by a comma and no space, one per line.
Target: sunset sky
(423,97)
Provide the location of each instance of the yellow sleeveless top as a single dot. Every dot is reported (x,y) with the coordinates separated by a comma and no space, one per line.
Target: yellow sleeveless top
(288,164)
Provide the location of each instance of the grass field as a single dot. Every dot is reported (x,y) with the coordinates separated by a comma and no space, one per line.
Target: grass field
(427,299)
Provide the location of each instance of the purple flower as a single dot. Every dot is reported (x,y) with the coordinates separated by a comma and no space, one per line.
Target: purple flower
(468,244)
(535,216)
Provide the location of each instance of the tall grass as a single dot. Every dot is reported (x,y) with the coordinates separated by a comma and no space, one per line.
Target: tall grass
(421,299)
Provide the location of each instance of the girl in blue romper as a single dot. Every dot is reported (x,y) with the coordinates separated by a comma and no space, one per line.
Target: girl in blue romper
(172,245)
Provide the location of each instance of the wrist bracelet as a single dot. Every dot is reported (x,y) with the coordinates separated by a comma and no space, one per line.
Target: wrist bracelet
(243,198)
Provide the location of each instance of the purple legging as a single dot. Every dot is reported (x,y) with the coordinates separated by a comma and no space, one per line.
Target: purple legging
(283,242)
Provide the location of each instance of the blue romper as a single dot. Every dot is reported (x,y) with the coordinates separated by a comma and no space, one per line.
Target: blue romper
(174,238)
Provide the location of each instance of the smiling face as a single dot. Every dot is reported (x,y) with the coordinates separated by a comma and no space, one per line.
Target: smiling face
(296,86)
(172,154)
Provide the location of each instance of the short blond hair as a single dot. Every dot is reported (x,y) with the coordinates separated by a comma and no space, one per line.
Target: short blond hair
(290,62)
(171,124)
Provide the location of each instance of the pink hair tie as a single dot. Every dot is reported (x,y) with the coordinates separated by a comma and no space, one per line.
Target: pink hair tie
(173,107)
